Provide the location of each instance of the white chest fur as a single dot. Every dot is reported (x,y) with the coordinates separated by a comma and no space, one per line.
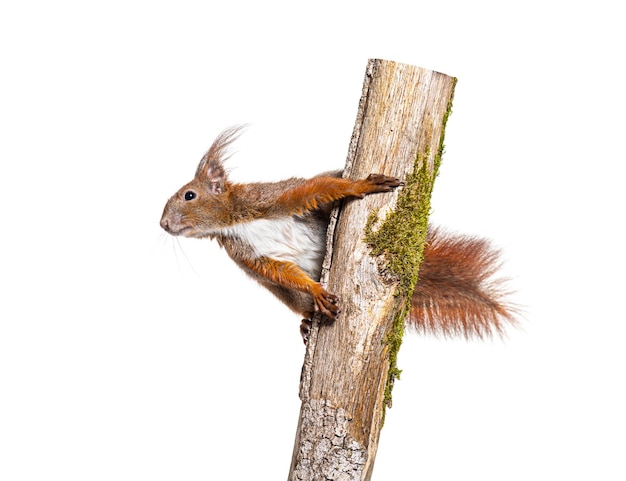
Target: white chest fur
(285,239)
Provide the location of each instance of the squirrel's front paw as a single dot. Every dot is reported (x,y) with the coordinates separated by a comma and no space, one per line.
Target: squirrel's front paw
(326,303)
(382,183)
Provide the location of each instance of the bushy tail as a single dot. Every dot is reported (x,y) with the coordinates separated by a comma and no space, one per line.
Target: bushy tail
(456,294)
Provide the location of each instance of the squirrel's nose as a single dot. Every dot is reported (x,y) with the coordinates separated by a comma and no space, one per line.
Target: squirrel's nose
(165,224)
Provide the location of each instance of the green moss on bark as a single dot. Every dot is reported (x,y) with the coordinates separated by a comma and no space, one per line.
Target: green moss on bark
(400,241)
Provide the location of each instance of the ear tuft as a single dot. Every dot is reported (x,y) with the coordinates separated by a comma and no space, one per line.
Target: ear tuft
(211,167)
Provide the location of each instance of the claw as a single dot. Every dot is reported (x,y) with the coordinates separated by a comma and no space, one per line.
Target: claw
(326,303)
(383,183)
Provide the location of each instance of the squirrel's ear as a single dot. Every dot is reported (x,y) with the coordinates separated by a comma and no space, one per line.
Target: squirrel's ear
(211,171)
(211,168)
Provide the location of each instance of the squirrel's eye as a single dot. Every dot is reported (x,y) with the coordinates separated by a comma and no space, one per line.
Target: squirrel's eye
(190,195)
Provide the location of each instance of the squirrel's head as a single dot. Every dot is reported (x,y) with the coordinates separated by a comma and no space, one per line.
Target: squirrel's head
(200,207)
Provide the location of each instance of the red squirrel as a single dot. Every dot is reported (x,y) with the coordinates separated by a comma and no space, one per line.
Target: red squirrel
(276,232)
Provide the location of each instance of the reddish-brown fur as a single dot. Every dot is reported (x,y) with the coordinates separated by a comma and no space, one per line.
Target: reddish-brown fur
(291,276)
(456,293)
(315,192)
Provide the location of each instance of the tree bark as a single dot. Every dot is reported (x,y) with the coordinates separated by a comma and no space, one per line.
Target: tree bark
(349,366)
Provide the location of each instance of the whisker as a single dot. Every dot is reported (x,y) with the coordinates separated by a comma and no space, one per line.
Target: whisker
(176,247)
(160,240)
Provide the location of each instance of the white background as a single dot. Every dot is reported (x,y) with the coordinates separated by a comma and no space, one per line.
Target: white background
(127,355)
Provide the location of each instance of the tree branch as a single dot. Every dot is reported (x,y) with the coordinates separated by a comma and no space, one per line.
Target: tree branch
(349,367)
